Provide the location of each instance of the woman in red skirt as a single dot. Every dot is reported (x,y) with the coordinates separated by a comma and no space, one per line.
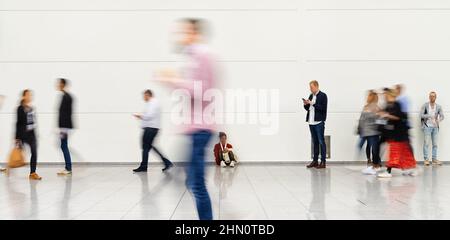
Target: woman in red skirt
(396,134)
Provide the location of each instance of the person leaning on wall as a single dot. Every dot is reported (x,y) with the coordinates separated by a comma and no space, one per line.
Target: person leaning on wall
(431,114)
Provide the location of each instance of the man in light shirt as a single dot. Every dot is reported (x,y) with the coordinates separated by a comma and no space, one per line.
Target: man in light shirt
(431,115)
(316,106)
(150,123)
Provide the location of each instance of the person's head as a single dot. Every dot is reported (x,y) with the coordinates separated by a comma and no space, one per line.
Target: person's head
(190,31)
(148,94)
(27,97)
(390,95)
(314,86)
(62,84)
(223,137)
(372,97)
(399,89)
(432,97)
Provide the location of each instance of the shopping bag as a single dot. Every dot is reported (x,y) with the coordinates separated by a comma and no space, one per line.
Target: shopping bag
(16,158)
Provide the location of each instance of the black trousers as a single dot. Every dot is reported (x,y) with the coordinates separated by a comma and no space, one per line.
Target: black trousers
(30,139)
(148,137)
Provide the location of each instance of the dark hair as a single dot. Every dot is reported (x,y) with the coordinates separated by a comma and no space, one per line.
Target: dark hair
(63,81)
(222,134)
(196,23)
(148,92)
(24,92)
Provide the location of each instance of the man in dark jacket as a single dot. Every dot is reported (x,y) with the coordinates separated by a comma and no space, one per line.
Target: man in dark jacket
(316,106)
(65,124)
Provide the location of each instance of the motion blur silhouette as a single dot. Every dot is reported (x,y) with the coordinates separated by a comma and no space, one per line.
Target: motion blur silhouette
(197,78)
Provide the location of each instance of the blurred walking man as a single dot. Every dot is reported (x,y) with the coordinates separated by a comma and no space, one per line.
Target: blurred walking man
(150,124)
(65,124)
(198,77)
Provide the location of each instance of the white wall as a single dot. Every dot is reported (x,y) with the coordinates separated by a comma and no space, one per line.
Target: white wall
(109,49)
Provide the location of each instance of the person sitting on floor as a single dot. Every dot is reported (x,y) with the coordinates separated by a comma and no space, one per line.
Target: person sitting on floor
(223,152)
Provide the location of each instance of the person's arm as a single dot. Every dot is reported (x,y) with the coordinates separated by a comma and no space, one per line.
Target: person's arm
(201,77)
(20,124)
(440,116)
(229,147)
(321,105)
(396,115)
(217,154)
(424,115)
(306,106)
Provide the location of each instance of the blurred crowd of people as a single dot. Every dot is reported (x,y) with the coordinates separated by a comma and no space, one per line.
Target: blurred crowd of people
(386,124)
(390,124)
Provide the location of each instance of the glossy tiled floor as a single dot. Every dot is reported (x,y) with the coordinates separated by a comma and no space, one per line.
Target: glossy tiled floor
(247,192)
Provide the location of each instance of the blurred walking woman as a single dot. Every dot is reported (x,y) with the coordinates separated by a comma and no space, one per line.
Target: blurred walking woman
(25,126)
(397,136)
(368,132)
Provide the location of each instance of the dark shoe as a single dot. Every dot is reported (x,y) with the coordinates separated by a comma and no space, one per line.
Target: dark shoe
(139,169)
(167,166)
(313,164)
(321,165)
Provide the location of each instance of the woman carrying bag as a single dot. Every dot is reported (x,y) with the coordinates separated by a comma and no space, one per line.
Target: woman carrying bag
(25,133)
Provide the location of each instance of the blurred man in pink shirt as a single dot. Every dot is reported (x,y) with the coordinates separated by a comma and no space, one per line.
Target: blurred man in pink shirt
(198,77)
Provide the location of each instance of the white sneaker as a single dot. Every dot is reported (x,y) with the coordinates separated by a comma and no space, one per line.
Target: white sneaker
(437,162)
(65,172)
(369,171)
(410,172)
(384,175)
(413,173)
(232,164)
(223,164)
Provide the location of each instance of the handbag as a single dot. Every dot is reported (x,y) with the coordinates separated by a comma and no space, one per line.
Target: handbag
(16,157)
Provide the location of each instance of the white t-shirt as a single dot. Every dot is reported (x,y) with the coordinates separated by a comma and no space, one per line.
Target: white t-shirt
(312,111)
(431,122)
(151,117)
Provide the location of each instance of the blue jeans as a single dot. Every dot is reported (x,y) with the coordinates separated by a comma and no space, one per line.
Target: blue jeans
(318,139)
(430,133)
(196,174)
(66,152)
(372,147)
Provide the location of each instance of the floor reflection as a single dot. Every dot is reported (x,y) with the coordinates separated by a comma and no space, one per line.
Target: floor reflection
(320,186)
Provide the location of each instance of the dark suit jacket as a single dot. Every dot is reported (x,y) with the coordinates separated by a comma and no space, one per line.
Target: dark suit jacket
(65,112)
(320,107)
(21,124)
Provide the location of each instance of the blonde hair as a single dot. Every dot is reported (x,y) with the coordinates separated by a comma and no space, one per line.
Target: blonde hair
(314,82)
(391,93)
(372,97)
